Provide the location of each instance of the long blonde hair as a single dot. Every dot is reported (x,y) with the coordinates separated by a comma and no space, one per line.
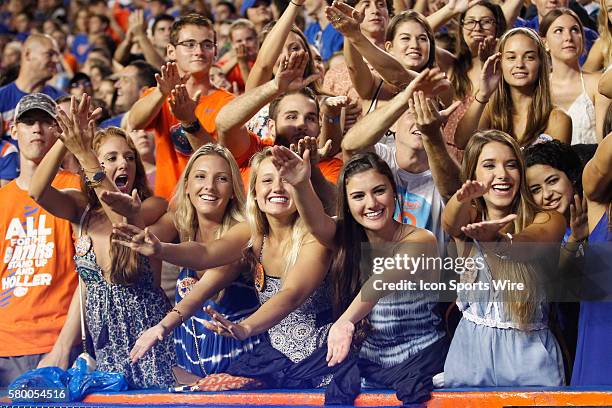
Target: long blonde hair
(124,261)
(186,218)
(522,305)
(259,222)
(501,108)
(605,31)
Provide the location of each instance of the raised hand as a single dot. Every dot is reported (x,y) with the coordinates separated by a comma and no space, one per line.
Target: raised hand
(143,242)
(351,114)
(291,167)
(242,52)
(121,203)
(487,231)
(460,6)
(146,342)
(428,119)
(182,105)
(430,81)
(76,136)
(332,105)
(339,341)
(470,190)
(311,144)
(579,222)
(224,327)
(486,48)
(169,78)
(290,74)
(490,76)
(344,18)
(136,24)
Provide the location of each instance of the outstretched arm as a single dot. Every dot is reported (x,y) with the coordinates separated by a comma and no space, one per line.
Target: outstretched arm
(296,171)
(194,255)
(270,50)
(368,131)
(299,283)
(341,16)
(597,174)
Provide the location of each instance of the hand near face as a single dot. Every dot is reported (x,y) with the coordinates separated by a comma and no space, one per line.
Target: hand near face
(487,231)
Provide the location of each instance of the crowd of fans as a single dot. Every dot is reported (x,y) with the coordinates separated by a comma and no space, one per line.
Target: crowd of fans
(240,155)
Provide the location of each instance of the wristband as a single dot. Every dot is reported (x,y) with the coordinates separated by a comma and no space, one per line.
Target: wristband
(95,180)
(295,4)
(479,101)
(192,127)
(332,120)
(174,309)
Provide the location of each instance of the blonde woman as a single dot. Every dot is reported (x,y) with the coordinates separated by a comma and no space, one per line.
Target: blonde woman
(503,338)
(514,94)
(289,268)
(208,202)
(599,56)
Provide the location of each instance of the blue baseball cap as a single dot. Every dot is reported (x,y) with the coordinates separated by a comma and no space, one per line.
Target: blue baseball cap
(247,4)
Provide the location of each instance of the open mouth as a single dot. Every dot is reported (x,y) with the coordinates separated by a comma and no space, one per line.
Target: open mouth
(553,204)
(519,75)
(278,200)
(374,215)
(208,197)
(121,181)
(502,188)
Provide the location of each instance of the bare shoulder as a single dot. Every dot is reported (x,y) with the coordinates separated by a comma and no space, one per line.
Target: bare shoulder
(411,233)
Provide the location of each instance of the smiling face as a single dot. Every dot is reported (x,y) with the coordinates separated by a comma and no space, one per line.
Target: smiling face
(119,162)
(478,24)
(199,59)
(550,187)
(520,61)
(370,199)
(41,57)
(128,88)
(498,169)
(410,45)
(209,185)
(272,192)
(564,39)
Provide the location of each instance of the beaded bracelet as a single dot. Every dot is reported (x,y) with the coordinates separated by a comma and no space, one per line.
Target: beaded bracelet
(174,309)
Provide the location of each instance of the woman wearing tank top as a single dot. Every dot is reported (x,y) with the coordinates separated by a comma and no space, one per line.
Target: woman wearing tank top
(571,88)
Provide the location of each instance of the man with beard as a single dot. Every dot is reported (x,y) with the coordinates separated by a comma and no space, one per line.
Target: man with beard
(294,118)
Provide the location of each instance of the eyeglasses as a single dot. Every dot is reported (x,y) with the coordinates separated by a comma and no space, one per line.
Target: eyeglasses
(486,23)
(191,45)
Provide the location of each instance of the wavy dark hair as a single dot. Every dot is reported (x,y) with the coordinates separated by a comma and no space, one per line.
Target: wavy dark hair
(346,275)
(460,80)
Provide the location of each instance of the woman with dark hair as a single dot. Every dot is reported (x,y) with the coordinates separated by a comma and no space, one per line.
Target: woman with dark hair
(563,34)
(479,28)
(407,344)
(122,296)
(503,338)
(554,177)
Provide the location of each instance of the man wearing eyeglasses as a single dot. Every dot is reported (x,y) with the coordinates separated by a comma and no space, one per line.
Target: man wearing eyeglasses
(182,108)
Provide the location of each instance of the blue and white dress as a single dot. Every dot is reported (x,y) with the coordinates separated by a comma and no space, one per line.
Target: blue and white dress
(200,351)
(490,350)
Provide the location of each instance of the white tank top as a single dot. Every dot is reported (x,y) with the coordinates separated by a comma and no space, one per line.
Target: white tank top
(582,113)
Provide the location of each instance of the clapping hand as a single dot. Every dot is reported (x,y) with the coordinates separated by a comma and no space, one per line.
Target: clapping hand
(339,341)
(123,204)
(143,242)
(223,327)
(291,167)
(290,74)
(169,78)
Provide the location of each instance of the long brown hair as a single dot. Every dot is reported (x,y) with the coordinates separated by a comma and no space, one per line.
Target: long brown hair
(552,15)
(460,80)
(124,261)
(522,306)
(501,109)
(409,15)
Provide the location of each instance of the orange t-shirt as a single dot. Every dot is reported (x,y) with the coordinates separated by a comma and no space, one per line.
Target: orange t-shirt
(329,167)
(172,148)
(235,74)
(37,271)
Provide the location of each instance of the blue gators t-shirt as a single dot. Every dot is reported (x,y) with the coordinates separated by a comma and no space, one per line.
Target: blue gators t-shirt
(327,41)
(9,160)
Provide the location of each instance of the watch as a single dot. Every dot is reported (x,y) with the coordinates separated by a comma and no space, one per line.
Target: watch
(192,127)
(95,180)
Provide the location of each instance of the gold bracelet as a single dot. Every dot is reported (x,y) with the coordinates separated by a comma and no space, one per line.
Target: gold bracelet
(174,309)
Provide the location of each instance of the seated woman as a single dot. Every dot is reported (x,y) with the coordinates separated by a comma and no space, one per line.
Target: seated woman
(123,296)
(208,202)
(503,338)
(289,267)
(514,94)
